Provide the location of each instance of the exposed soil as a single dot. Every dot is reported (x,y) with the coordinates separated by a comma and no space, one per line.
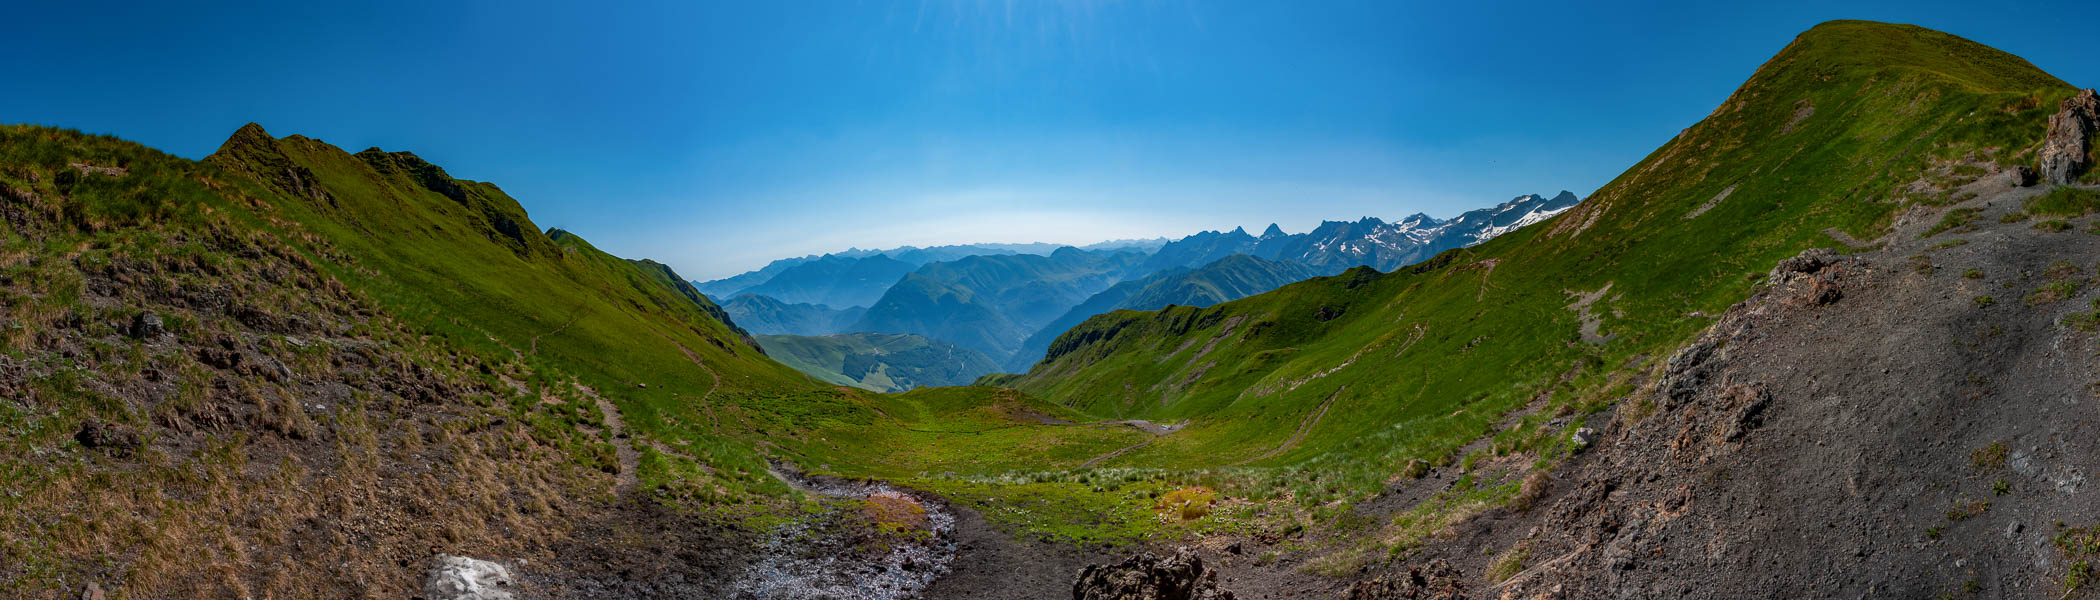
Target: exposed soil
(1863,428)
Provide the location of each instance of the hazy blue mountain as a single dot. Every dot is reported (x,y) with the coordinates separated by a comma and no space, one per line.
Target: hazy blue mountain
(992,303)
(834,280)
(1226,279)
(768,315)
(729,286)
(912,255)
(883,362)
(1198,250)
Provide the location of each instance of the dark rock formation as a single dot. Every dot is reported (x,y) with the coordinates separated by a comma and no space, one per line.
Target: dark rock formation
(1436,579)
(1149,577)
(117,440)
(2064,153)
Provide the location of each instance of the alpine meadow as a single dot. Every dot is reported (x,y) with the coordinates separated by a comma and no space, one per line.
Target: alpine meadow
(1840,337)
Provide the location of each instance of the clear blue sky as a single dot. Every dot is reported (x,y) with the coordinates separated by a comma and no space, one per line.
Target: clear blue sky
(718,136)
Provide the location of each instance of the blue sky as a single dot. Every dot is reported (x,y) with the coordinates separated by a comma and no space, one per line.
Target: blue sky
(718,136)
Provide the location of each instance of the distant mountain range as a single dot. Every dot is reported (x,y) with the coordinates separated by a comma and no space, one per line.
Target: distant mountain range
(992,303)
(915,256)
(1008,302)
(834,280)
(882,362)
(1230,278)
(1336,246)
(765,315)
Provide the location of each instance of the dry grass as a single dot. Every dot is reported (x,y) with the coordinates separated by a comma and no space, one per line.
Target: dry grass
(892,512)
(1187,503)
(1533,488)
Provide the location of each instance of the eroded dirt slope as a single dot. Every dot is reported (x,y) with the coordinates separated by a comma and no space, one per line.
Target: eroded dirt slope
(1913,421)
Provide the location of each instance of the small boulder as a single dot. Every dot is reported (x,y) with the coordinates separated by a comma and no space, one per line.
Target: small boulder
(462,578)
(116,440)
(2020,176)
(147,325)
(1808,261)
(1583,438)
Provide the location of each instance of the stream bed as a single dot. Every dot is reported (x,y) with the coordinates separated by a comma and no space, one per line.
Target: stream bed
(843,554)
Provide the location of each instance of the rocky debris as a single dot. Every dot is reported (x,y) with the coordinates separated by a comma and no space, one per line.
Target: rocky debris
(1807,262)
(874,542)
(1149,577)
(147,325)
(1811,269)
(1584,438)
(462,578)
(100,170)
(1433,580)
(93,591)
(2020,176)
(1686,372)
(2064,151)
(117,440)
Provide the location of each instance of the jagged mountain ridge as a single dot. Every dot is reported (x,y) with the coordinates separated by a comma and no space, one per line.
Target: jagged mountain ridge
(1335,246)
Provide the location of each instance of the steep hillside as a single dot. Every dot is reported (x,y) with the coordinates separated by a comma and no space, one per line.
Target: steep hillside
(879,362)
(1891,423)
(767,316)
(992,303)
(322,366)
(1825,143)
(1229,278)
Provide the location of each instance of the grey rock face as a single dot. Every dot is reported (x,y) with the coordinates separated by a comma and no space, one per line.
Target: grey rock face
(462,578)
(147,325)
(2064,151)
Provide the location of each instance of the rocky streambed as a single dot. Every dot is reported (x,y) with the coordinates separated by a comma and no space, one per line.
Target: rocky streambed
(873,541)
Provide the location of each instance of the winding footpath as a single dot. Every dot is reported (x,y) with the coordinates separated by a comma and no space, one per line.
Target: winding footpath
(1304,428)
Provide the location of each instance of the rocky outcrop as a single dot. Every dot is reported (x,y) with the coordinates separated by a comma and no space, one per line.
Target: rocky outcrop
(462,578)
(1434,580)
(1149,577)
(117,440)
(2065,151)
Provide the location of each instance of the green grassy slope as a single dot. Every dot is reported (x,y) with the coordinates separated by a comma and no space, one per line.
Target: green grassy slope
(462,259)
(1829,133)
(880,362)
(1230,278)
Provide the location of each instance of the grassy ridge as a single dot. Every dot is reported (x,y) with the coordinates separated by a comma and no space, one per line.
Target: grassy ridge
(1831,133)
(462,260)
